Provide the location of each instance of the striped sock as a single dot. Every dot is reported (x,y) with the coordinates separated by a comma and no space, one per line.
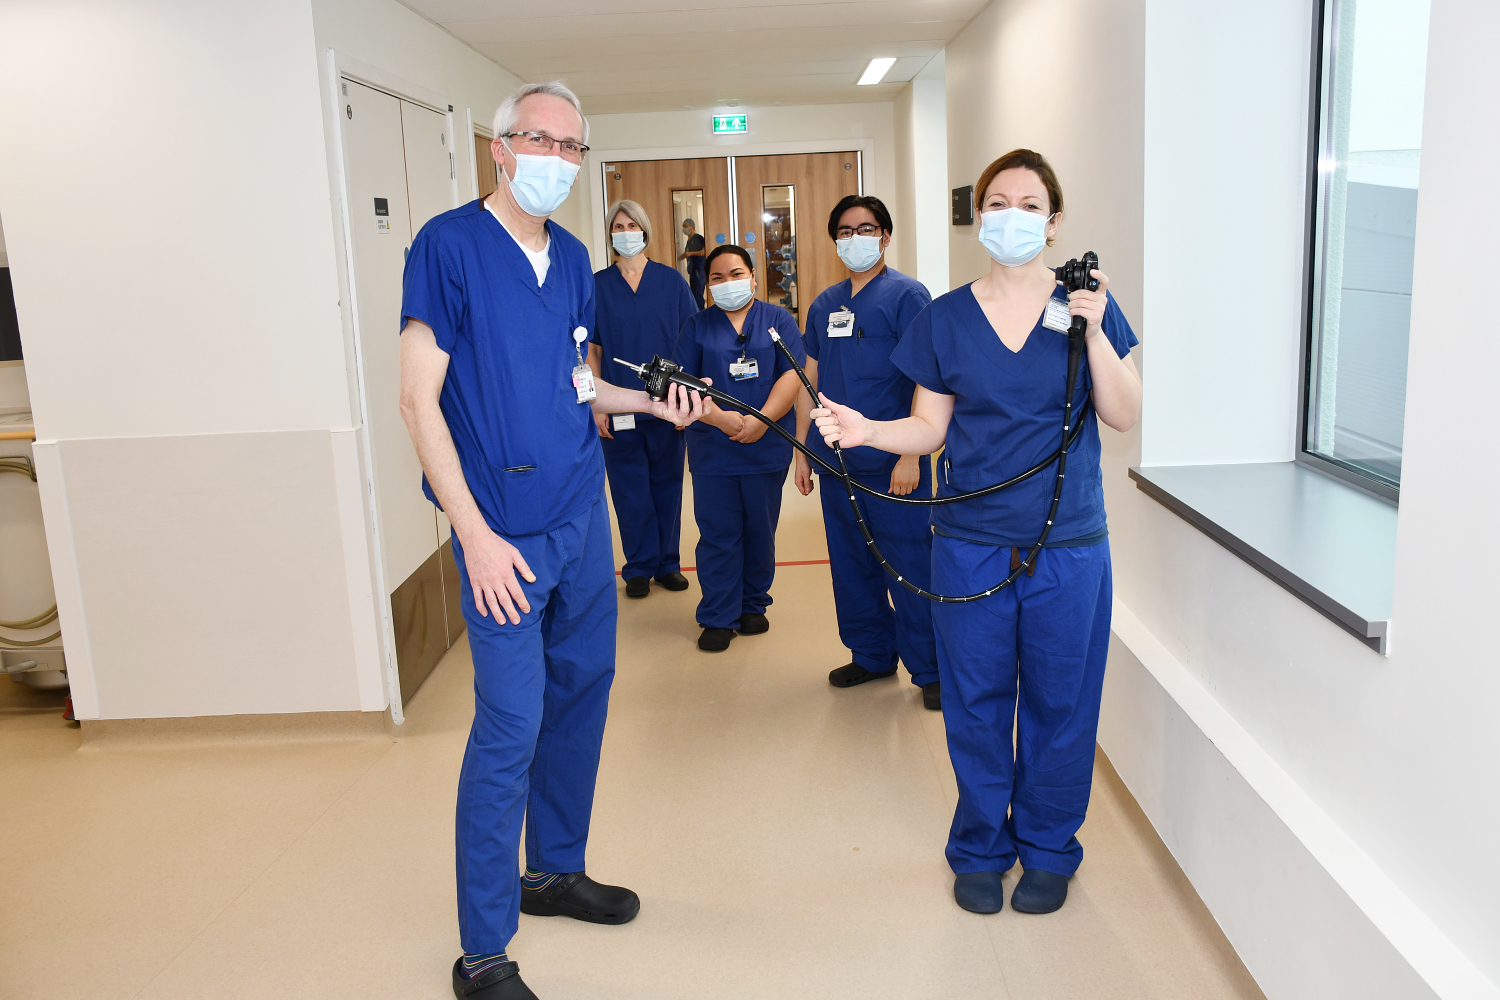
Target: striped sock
(475,966)
(536,880)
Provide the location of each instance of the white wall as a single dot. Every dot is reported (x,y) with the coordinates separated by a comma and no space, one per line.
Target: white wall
(188,357)
(922,174)
(1332,806)
(772,130)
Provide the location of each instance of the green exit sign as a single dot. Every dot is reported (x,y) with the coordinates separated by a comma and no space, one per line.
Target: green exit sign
(730,123)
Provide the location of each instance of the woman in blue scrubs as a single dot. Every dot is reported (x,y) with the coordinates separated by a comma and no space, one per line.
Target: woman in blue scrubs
(852,328)
(990,372)
(640,306)
(738,466)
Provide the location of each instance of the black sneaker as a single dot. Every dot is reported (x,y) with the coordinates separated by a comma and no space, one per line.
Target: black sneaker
(932,696)
(638,586)
(753,624)
(673,581)
(715,640)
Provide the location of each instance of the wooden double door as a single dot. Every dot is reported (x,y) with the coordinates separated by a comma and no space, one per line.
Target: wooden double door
(776,207)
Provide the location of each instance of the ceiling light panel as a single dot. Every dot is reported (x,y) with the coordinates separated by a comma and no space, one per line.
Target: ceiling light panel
(876,71)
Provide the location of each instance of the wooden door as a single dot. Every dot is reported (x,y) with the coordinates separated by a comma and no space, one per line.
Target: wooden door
(484,163)
(808,185)
(651,182)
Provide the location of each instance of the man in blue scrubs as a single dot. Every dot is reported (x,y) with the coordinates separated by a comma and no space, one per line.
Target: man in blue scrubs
(851,330)
(497,305)
(694,253)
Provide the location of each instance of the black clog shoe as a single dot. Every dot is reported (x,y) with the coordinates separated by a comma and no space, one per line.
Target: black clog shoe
(580,897)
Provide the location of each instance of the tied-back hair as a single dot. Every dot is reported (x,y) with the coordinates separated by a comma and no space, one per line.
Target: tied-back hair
(1031,160)
(733,248)
(634,212)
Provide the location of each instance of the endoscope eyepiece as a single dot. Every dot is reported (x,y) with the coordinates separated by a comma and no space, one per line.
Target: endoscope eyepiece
(1075,274)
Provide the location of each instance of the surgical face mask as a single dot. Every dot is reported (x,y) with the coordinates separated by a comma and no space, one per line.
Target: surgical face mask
(859,252)
(1013,236)
(627,243)
(732,295)
(541,183)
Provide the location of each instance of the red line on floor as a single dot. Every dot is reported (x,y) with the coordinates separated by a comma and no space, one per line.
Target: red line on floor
(802,562)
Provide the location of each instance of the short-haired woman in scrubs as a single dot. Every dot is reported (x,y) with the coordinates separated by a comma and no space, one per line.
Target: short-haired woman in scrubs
(738,466)
(639,307)
(990,379)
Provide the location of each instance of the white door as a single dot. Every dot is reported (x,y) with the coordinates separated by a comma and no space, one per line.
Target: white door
(381,223)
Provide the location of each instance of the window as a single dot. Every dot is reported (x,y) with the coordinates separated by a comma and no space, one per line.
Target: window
(1368,118)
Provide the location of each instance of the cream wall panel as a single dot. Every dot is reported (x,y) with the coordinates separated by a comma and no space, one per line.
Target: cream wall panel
(213,571)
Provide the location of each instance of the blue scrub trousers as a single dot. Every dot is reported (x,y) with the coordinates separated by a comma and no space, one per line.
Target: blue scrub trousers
(875,633)
(541,691)
(737,518)
(1045,639)
(644,466)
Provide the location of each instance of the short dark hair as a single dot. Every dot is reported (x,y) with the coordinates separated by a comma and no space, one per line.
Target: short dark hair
(874,204)
(724,248)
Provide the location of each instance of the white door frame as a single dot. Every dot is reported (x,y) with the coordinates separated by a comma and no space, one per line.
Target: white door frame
(342,67)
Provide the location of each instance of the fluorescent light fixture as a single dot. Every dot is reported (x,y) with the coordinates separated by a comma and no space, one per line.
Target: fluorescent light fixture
(876,71)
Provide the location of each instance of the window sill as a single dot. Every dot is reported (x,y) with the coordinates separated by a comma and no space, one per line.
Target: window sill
(1328,543)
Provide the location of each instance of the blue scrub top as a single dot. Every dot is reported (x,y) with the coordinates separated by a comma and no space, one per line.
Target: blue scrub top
(529,450)
(635,326)
(1007,416)
(706,346)
(857,371)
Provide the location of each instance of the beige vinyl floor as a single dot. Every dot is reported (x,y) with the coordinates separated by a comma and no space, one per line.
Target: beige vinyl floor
(786,839)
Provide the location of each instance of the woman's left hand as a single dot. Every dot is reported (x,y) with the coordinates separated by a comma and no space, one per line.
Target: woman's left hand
(1090,305)
(750,431)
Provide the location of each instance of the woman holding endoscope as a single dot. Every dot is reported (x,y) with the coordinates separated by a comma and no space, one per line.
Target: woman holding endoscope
(990,365)
(738,469)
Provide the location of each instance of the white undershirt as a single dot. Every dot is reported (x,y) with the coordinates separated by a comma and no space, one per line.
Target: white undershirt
(540,260)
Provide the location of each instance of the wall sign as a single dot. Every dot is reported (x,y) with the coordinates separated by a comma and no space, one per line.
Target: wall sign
(382,215)
(963,205)
(726,124)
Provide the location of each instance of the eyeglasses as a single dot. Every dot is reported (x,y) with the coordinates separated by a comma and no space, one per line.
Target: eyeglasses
(540,144)
(863,229)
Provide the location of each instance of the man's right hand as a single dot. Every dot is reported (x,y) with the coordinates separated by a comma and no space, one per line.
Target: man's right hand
(804,475)
(493,563)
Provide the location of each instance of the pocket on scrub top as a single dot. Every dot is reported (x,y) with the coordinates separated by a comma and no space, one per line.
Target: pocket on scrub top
(872,356)
(520,489)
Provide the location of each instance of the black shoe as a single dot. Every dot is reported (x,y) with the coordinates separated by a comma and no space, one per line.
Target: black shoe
(638,586)
(753,624)
(932,696)
(715,640)
(1039,892)
(979,892)
(851,674)
(503,982)
(580,897)
(673,581)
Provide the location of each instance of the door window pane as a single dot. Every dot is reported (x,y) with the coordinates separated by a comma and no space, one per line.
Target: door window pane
(1369,158)
(779,219)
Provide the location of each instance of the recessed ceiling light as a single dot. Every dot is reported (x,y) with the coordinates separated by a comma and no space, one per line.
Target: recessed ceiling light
(876,71)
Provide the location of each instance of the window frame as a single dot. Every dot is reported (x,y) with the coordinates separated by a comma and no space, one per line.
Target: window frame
(1324,29)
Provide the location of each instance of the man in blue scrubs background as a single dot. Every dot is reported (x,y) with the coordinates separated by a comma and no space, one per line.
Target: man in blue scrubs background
(497,308)
(851,330)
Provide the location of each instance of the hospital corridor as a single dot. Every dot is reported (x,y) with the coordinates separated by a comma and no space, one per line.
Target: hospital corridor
(671,499)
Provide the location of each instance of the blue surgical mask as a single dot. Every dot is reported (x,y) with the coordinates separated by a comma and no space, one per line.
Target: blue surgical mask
(731,295)
(1013,236)
(541,183)
(627,243)
(859,252)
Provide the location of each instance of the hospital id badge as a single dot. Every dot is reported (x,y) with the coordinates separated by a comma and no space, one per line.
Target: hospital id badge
(583,382)
(622,421)
(1057,317)
(743,370)
(841,323)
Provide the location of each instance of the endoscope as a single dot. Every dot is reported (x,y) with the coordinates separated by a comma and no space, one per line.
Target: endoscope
(1076,274)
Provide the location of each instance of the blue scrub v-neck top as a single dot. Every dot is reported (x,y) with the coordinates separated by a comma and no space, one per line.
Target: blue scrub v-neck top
(638,325)
(1007,417)
(858,370)
(529,450)
(707,346)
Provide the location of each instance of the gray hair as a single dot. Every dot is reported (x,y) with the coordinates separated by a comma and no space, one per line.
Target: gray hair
(634,212)
(509,111)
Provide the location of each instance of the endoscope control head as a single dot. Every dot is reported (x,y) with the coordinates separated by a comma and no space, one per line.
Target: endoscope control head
(1075,274)
(661,373)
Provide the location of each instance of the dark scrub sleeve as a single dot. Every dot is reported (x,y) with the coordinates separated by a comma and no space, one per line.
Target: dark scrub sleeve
(686,304)
(1116,327)
(793,342)
(432,290)
(695,242)
(689,352)
(916,355)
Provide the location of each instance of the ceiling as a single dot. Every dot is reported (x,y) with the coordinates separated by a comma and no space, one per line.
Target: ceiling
(664,55)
